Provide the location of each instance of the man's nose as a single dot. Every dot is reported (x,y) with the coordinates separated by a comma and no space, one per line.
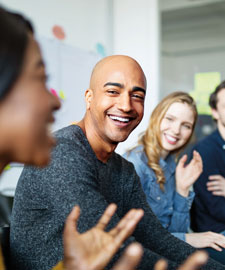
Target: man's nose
(124,103)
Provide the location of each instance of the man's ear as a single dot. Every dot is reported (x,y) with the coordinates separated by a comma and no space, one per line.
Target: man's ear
(88,98)
(215,114)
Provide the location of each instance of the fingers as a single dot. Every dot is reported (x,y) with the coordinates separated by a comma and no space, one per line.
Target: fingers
(216,189)
(160,265)
(71,222)
(182,161)
(130,258)
(215,246)
(213,184)
(216,185)
(197,160)
(196,260)
(127,224)
(213,240)
(218,193)
(217,241)
(216,177)
(124,229)
(106,217)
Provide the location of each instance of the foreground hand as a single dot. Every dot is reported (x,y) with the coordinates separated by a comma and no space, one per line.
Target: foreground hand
(216,185)
(193,262)
(187,175)
(206,239)
(130,259)
(94,249)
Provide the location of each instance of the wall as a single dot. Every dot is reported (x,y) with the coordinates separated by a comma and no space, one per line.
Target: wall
(85,22)
(178,72)
(137,33)
(193,41)
(122,27)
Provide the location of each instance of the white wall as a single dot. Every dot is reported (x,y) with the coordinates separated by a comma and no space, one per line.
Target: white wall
(137,33)
(86,22)
(178,72)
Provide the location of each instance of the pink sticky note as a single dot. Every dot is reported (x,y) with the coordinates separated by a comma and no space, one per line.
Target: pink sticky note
(53,92)
(58,32)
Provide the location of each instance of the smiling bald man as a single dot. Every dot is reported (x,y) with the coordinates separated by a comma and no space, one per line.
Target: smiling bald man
(86,171)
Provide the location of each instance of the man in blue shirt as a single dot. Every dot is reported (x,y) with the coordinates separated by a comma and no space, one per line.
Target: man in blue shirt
(209,203)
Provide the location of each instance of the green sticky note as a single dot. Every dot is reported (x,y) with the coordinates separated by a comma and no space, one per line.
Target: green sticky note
(7,167)
(205,83)
(62,94)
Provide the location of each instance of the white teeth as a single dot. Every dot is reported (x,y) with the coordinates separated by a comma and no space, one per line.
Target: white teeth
(121,119)
(171,138)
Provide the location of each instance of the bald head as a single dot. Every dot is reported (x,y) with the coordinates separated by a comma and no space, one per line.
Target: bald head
(114,101)
(115,64)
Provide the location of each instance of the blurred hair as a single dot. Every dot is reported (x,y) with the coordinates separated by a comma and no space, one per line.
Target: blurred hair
(151,139)
(13,44)
(21,19)
(213,97)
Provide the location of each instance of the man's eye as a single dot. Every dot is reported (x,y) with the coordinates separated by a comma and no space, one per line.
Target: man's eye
(113,92)
(138,96)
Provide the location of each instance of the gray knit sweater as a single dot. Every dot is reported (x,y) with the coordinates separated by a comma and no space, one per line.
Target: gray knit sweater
(44,198)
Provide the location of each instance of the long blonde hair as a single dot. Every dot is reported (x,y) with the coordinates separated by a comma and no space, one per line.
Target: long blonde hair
(151,139)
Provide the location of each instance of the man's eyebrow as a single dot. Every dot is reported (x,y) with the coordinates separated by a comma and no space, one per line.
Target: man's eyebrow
(114,84)
(138,89)
(135,88)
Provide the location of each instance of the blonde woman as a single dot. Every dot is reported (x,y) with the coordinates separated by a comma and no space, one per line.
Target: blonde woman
(167,185)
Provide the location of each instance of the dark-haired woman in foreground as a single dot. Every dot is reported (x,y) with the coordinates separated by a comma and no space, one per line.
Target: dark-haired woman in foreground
(26,110)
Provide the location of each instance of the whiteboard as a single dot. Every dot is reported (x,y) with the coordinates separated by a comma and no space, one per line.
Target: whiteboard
(69,69)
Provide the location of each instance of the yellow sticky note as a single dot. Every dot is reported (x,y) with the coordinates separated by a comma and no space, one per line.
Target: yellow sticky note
(206,81)
(62,94)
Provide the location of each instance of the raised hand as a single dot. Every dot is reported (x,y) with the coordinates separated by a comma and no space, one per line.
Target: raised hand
(206,239)
(193,262)
(216,185)
(93,249)
(130,259)
(187,175)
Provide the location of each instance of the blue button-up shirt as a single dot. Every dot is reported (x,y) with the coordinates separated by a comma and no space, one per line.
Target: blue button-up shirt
(170,207)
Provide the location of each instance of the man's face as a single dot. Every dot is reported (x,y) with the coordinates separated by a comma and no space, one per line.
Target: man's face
(116,101)
(219,113)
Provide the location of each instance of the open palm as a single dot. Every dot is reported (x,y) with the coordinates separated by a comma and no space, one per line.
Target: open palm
(186,175)
(93,249)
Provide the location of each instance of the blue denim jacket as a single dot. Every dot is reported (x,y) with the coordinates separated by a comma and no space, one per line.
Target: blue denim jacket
(170,207)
